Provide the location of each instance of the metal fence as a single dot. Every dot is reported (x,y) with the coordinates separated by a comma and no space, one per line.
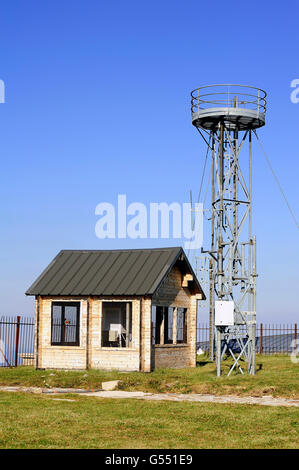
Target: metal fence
(16,341)
(270,339)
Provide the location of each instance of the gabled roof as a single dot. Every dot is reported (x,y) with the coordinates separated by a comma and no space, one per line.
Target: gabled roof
(109,272)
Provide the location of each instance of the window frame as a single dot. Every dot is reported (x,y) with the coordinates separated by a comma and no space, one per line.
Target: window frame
(185,326)
(114,303)
(63,304)
(162,315)
(167,314)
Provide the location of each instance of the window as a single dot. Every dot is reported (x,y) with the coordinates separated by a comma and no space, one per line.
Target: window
(65,321)
(181,328)
(159,320)
(162,324)
(168,325)
(117,324)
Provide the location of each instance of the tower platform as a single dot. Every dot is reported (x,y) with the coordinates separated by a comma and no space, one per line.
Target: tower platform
(239,107)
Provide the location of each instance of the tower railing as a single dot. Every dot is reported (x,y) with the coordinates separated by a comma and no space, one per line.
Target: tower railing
(228,96)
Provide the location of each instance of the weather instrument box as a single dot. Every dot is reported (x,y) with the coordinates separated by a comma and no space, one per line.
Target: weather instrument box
(224,313)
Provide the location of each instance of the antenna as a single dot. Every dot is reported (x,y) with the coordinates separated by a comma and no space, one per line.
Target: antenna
(225,116)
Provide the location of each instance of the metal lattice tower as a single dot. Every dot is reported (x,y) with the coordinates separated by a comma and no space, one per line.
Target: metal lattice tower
(226,116)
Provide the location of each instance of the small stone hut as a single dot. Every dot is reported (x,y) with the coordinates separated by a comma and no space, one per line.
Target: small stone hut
(130,310)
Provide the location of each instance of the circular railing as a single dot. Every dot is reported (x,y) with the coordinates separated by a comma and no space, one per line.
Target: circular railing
(228,96)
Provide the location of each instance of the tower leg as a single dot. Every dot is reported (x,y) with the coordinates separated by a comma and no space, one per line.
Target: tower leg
(218,352)
(211,312)
(253,348)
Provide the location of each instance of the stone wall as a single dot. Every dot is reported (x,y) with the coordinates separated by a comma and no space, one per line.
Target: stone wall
(140,355)
(113,358)
(60,357)
(171,355)
(82,357)
(171,293)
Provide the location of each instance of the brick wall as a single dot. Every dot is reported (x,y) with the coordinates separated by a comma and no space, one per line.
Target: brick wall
(81,357)
(114,358)
(146,335)
(171,355)
(172,294)
(60,357)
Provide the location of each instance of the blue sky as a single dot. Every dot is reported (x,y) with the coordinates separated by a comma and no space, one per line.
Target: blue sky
(97,104)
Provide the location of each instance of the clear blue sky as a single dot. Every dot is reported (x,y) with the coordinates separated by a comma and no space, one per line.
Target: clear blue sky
(97,104)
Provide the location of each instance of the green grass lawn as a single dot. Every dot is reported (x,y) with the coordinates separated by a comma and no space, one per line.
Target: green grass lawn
(276,375)
(43,421)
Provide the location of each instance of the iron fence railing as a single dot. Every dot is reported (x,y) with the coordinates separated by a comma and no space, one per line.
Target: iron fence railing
(270,338)
(228,96)
(276,338)
(16,341)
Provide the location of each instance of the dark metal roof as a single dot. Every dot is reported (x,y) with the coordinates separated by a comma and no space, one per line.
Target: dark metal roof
(109,272)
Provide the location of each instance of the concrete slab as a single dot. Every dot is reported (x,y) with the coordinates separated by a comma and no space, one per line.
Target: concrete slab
(194,397)
(61,399)
(116,394)
(111,385)
(178,397)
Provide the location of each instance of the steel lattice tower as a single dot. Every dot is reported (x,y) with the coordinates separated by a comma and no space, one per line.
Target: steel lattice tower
(226,116)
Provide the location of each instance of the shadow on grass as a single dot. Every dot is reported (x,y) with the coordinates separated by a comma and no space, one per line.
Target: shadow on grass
(203,363)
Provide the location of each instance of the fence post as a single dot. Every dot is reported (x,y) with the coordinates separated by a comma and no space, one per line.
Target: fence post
(295,348)
(2,351)
(17,340)
(261,339)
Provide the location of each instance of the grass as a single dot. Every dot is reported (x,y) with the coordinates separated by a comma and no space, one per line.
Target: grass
(42,421)
(276,376)
(46,421)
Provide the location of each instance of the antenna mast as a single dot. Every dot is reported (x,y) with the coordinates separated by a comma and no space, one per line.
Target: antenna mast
(225,116)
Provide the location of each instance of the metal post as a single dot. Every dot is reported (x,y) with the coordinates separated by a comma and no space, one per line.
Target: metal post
(253,304)
(211,322)
(261,339)
(2,352)
(211,261)
(250,297)
(220,246)
(218,352)
(17,340)
(253,338)
(234,255)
